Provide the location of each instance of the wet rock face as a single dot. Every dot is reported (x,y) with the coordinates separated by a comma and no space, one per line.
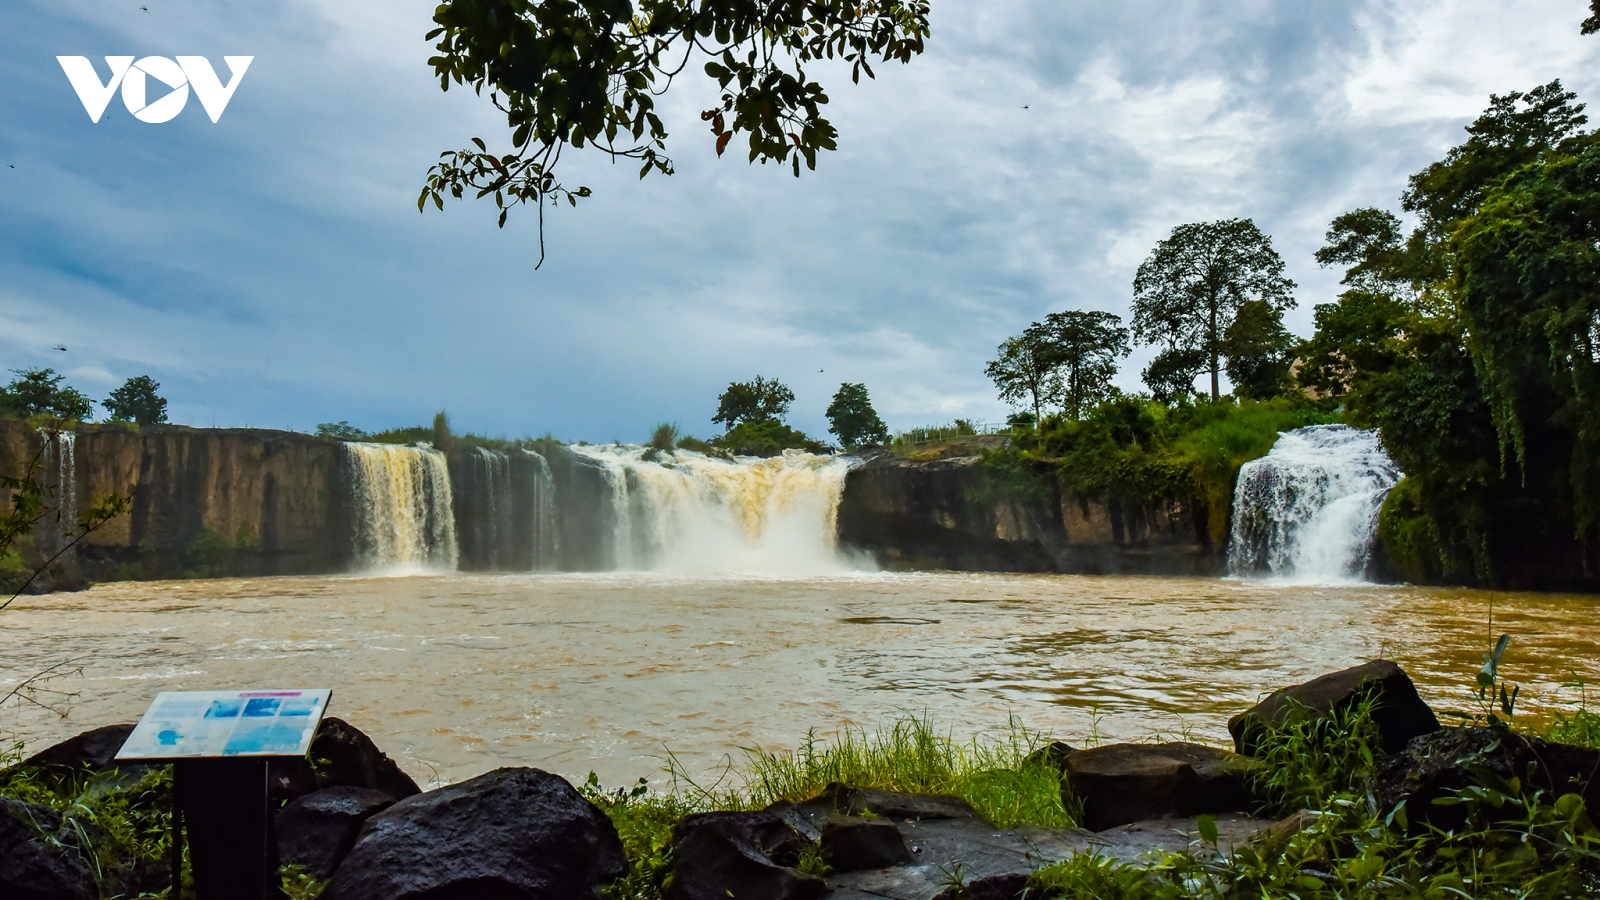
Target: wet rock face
(1434,765)
(30,868)
(345,757)
(1400,714)
(1123,783)
(512,833)
(739,855)
(317,831)
(852,843)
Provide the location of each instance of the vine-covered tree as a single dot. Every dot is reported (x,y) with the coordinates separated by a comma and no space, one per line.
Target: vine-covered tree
(137,401)
(852,419)
(1187,292)
(749,402)
(1084,348)
(1025,373)
(42,392)
(567,73)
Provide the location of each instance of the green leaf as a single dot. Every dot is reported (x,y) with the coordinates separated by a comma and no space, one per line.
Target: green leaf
(1208,829)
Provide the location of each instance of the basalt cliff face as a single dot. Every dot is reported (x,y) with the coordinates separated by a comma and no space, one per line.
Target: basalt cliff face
(945,514)
(201,501)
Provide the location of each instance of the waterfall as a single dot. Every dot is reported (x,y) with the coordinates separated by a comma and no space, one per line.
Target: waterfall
(60,481)
(402,507)
(1308,510)
(681,511)
(543,535)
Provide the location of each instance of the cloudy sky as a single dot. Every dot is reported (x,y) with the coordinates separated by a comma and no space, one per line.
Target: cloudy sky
(273,270)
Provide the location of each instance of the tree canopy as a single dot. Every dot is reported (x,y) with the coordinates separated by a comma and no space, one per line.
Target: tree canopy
(137,401)
(566,73)
(852,419)
(750,402)
(1185,295)
(1084,347)
(42,392)
(1025,374)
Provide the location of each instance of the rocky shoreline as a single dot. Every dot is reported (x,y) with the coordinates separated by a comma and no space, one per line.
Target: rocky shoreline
(355,826)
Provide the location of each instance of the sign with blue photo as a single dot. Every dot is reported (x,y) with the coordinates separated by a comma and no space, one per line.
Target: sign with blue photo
(200,724)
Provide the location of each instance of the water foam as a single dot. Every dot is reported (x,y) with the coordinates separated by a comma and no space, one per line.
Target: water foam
(1307,512)
(402,508)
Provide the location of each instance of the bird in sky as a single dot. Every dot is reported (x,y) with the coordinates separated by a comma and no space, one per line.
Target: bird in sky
(145,8)
(1024,106)
(61,347)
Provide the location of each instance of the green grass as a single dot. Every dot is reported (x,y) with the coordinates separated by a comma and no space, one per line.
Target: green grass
(1582,727)
(1308,761)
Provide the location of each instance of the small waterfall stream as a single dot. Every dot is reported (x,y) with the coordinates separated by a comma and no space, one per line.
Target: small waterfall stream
(60,481)
(1308,510)
(402,507)
(682,511)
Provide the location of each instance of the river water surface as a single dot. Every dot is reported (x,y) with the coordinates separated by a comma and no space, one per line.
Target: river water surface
(454,675)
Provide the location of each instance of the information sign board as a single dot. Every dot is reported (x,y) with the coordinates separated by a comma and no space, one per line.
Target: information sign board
(211,724)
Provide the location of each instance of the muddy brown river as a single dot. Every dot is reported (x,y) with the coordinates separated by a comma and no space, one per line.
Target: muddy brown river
(454,675)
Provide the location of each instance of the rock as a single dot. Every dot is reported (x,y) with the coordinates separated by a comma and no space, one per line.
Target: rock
(345,757)
(851,843)
(895,805)
(996,887)
(317,830)
(511,833)
(31,869)
(1400,715)
(1122,783)
(1055,754)
(1435,764)
(742,855)
(95,750)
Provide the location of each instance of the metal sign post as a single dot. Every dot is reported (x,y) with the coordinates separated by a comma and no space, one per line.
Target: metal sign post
(219,743)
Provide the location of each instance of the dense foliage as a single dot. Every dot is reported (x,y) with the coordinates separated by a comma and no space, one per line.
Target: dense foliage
(137,401)
(852,419)
(578,72)
(1473,345)
(42,392)
(1066,361)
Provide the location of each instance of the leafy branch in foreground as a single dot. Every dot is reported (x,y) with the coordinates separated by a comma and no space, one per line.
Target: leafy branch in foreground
(575,72)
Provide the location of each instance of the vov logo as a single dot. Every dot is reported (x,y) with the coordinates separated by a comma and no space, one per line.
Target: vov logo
(134,78)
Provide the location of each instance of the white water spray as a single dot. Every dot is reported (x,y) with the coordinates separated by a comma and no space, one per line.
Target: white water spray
(402,507)
(1308,510)
(685,512)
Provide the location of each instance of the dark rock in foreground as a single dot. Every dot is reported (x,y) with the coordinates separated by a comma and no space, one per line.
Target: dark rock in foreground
(996,887)
(851,843)
(1400,714)
(511,834)
(346,758)
(1122,783)
(742,855)
(95,750)
(317,831)
(1434,765)
(30,868)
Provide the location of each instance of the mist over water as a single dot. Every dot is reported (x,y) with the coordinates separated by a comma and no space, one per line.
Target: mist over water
(1307,512)
(686,513)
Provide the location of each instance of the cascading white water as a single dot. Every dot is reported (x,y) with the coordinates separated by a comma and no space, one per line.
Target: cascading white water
(545,534)
(402,507)
(61,482)
(685,512)
(1308,510)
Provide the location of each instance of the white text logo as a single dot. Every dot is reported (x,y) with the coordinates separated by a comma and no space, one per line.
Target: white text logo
(178,76)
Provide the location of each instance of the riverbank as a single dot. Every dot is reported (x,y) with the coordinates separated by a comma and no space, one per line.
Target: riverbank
(1327,791)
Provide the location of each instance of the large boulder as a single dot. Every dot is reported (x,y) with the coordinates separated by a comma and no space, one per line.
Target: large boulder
(317,830)
(1400,713)
(1122,783)
(511,834)
(1434,765)
(341,756)
(31,868)
(95,750)
(853,843)
(739,855)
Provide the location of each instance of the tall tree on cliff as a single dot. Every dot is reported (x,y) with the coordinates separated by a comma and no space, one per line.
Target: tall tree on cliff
(852,419)
(137,401)
(43,392)
(578,72)
(1084,347)
(1025,372)
(751,402)
(1186,294)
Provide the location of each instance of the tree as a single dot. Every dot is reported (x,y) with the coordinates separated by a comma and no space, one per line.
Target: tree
(41,392)
(1084,347)
(1186,294)
(1170,376)
(1026,373)
(1259,351)
(137,401)
(341,431)
(852,419)
(578,72)
(758,400)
